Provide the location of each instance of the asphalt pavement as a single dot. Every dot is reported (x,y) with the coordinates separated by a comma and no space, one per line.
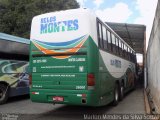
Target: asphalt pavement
(21,108)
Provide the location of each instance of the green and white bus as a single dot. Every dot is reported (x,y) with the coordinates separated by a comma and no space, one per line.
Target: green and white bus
(77,59)
(14,66)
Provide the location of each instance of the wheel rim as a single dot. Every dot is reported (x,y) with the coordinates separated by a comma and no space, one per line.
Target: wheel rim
(122,93)
(116,95)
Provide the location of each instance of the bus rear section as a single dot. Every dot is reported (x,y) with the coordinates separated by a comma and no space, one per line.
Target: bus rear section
(61,60)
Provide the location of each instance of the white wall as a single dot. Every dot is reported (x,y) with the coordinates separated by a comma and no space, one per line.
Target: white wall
(153,59)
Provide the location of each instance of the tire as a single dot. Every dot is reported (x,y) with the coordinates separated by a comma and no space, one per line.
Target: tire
(116,95)
(3,93)
(121,92)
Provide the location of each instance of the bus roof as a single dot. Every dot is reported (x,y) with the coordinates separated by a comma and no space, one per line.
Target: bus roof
(84,11)
(13,45)
(4,36)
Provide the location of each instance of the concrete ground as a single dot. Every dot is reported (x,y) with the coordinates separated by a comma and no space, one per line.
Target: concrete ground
(133,103)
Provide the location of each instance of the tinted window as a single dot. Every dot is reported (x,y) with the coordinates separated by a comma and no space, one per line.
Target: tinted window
(125,47)
(120,44)
(100,41)
(100,30)
(109,36)
(104,33)
(117,47)
(113,39)
(117,42)
(104,37)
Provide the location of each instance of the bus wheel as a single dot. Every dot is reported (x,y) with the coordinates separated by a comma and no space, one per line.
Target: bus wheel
(121,92)
(116,95)
(4,93)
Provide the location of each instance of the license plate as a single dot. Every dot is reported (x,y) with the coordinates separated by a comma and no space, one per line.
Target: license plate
(58,98)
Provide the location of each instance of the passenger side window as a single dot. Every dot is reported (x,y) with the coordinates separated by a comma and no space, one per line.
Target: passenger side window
(117,46)
(104,37)
(132,57)
(109,40)
(100,40)
(120,48)
(134,60)
(113,43)
(126,52)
